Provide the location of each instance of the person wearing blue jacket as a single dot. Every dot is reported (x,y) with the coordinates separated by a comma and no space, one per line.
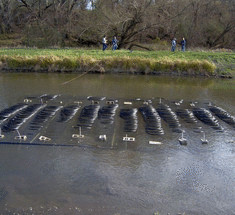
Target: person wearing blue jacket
(173,45)
(183,44)
(114,43)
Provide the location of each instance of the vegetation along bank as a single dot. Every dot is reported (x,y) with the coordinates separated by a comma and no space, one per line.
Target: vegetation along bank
(190,63)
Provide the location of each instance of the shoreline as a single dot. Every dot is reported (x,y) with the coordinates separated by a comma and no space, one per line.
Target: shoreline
(153,73)
(191,64)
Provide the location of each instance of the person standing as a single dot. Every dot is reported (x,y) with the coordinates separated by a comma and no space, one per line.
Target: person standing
(115,43)
(173,45)
(104,42)
(183,44)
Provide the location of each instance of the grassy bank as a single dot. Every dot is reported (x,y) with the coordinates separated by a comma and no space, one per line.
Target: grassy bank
(145,62)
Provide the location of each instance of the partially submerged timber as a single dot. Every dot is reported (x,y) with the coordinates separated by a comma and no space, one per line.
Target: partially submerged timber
(105,123)
(152,120)
(6,113)
(21,117)
(169,117)
(130,118)
(206,117)
(223,115)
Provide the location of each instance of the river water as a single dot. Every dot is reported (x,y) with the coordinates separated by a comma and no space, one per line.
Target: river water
(117,177)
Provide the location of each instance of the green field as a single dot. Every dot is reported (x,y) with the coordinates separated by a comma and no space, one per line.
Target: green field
(206,63)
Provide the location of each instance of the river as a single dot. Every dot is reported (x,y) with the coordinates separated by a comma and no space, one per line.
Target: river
(118,177)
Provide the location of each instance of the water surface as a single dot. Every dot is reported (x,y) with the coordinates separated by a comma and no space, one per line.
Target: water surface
(130,178)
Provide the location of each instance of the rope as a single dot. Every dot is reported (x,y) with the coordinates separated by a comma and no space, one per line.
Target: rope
(67,82)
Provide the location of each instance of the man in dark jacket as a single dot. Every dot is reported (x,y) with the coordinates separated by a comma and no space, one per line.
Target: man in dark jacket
(183,44)
(114,43)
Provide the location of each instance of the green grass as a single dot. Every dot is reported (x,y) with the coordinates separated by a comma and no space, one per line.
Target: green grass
(190,62)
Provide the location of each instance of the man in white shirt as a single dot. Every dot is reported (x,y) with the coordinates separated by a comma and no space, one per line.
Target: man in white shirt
(104,41)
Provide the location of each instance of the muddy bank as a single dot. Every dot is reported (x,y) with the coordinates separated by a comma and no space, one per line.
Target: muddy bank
(116,71)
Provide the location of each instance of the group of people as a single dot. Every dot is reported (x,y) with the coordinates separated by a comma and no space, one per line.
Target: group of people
(182,43)
(115,44)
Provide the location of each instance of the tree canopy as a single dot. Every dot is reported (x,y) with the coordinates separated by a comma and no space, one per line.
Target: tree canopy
(207,23)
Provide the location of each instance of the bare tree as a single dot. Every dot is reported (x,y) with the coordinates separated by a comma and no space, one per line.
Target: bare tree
(83,22)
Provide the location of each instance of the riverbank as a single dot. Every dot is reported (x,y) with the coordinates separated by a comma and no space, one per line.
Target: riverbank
(190,63)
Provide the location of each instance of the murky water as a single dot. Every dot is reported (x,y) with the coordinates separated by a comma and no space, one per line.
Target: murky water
(116,177)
